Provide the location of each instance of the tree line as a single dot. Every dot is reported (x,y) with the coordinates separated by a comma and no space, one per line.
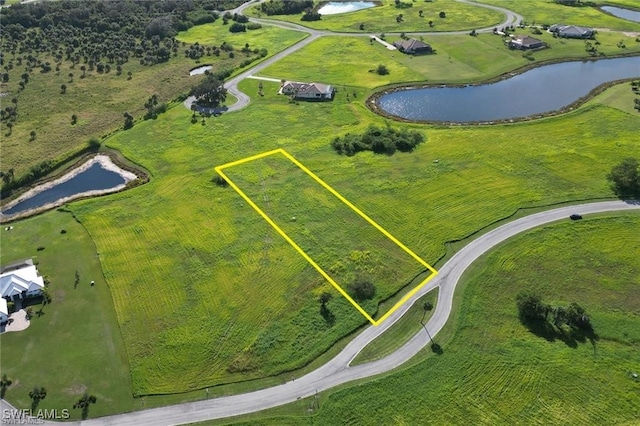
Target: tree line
(379,140)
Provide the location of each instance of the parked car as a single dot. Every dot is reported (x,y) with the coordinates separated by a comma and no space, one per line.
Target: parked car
(575,216)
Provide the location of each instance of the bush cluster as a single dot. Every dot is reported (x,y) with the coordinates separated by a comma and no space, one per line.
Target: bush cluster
(285,7)
(379,140)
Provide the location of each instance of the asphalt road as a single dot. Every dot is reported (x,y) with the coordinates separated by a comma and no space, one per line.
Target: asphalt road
(337,371)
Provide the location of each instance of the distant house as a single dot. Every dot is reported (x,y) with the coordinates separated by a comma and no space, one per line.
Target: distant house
(20,280)
(308,91)
(572,31)
(525,43)
(413,47)
(4,311)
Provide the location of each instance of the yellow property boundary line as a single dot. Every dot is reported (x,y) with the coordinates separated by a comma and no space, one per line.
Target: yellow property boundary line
(219,169)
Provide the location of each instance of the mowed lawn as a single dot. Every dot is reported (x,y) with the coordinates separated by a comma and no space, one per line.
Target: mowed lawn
(496,372)
(549,12)
(382,18)
(74,345)
(100,100)
(458,59)
(206,291)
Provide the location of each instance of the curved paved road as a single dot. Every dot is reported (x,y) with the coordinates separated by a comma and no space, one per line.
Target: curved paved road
(511,18)
(337,371)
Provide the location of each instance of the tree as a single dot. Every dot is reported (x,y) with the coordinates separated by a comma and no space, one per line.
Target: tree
(362,289)
(84,403)
(427,306)
(5,382)
(531,307)
(32,135)
(129,75)
(237,28)
(210,92)
(10,127)
(128,120)
(70,77)
(74,119)
(63,88)
(442,15)
(37,395)
(382,70)
(84,71)
(431,23)
(325,297)
(625,177)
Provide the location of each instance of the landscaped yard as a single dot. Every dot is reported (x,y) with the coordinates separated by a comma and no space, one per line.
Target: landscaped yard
(495,371)
(458,59)
(458,16)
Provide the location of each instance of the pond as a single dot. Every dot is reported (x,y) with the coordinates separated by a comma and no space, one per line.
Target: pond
(336,7)
(200,70)
(94,177)
(628,14)
(539,90)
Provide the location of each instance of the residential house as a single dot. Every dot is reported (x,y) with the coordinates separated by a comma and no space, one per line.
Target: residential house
(525,43)
(308,91)
(20,280)
(413,47)
(572,31)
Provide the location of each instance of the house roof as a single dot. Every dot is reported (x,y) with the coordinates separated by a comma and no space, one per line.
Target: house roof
(3,307)
(16,265)
(411,44)
(570,29)
(19,280)
(526,40)
(307,88)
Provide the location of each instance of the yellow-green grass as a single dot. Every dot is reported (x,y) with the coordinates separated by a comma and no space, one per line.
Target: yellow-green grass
(493,370)
(100,100)
(620,96)
(200,299)
(549,12)
(458,59)
(315,219)
(75,344)
(400,332)
(382,18)
(274,39)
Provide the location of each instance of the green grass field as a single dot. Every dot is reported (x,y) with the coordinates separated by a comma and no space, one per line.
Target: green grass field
(80,322)
(208,251)
(400,332)
(493,370)
(100,100)
(457,59)
(383,18)
(548,12)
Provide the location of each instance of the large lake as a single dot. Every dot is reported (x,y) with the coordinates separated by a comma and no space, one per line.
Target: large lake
(628,14)
(539,90)
(93,178)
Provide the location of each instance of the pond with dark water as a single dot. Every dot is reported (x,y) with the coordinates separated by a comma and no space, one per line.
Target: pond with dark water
(537,91)
(628,14)
(92,179)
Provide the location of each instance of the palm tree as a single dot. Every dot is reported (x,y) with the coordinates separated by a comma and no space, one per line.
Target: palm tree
(84,71)
(4,384)
(9,126)
(70,77)
(63,88)
(84,404)
(37,395)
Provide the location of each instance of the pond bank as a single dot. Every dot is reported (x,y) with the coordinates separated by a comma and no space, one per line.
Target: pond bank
(103,161)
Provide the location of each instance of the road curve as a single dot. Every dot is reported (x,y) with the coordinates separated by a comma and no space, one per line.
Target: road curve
(337,371)
(511,18)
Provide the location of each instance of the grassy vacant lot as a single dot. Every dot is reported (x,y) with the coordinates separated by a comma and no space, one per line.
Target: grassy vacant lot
(383,18)
(192,275)
(548,12)
(457,59)
(100,100)
(80,322)
(495,371)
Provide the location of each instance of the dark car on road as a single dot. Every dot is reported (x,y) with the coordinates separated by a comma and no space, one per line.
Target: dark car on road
(575,216)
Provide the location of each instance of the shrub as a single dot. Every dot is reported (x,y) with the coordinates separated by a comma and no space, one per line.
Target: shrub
(362,289)
(253,26)
(382,70)
(237,28)
(442,15)
(220,181)
(379,140)
(625,177)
